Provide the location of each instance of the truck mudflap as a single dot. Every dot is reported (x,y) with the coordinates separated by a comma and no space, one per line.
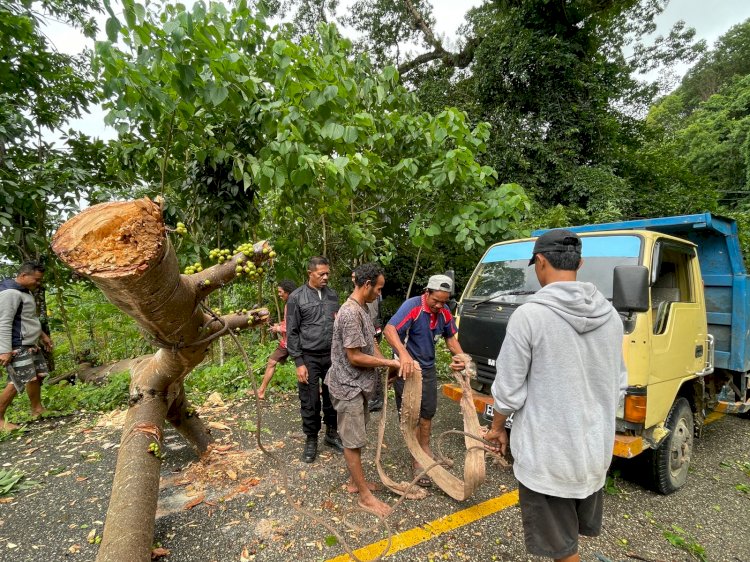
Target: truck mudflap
(626,446)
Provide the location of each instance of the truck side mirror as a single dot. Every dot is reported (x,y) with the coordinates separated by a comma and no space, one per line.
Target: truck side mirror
(630,288)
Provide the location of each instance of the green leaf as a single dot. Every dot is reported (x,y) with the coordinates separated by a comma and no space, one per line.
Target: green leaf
(187,75)
(218,94)
(330,92)
(113,28)
(129,12)
(140,12)
(332,131)
(302,176)
(353,179)
(350,134)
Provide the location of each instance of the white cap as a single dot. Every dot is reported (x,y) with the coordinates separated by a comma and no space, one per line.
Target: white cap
(440,283)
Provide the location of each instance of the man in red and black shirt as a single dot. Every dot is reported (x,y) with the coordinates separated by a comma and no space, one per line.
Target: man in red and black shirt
(281,353)
(412,333)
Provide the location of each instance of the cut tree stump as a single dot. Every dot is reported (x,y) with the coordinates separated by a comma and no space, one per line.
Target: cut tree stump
(123,249)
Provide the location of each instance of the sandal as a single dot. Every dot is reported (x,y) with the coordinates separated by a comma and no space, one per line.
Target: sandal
(423,481)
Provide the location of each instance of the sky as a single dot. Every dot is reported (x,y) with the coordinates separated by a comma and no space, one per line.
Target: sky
(710,19)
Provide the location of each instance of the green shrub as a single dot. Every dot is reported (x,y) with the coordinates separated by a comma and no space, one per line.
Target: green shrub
(231,380)
(64,398)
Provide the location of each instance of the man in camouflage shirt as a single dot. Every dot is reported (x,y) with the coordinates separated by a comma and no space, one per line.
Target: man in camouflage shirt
(353,377)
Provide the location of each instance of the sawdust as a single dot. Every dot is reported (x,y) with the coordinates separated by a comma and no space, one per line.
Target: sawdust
(222,467)
(115,419)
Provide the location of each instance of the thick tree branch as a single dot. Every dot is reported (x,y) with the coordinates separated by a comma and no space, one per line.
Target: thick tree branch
(419,61)
(223,273)
(461,59)
(241,320)
(424,27)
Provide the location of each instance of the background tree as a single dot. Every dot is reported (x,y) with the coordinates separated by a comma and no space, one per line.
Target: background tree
(697,138)
(553,80)
(40,90)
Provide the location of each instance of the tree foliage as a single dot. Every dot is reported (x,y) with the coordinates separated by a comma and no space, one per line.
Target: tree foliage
(300,141)
(40,90)
(730,57)
(698,137)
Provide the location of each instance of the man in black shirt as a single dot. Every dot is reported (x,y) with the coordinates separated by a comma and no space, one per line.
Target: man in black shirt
(311,310)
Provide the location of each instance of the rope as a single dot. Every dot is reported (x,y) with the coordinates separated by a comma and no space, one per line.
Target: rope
(474,467)
(473,472)
(175,346)
(382,521)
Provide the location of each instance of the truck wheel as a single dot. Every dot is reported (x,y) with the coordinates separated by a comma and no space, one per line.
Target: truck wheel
(671,460)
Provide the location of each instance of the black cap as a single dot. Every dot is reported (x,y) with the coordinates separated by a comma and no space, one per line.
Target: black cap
(558,240)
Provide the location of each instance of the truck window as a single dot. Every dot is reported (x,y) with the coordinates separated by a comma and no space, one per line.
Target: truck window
(504,271)
(673,283)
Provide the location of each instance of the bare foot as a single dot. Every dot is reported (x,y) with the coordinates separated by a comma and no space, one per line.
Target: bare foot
(375,506)
(352,489)
(7,426)
(35,414)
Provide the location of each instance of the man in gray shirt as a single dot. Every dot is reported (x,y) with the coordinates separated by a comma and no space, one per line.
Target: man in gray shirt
(20,336)
(353,377)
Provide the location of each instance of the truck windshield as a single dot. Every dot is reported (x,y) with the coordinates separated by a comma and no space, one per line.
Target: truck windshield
(504,272)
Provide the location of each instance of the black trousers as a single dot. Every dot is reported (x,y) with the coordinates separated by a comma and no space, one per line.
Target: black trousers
(311,397)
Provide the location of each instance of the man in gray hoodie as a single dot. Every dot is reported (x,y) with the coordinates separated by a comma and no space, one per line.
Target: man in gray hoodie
(560,369)
(20,336)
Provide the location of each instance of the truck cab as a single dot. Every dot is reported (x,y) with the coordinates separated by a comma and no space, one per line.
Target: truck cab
(685,344)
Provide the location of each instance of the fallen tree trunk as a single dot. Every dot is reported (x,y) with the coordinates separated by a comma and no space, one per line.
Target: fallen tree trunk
(98,375)
(123,249)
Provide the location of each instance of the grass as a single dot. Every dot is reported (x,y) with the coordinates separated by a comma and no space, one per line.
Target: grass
(610,484)
(13,481)
(231,380)
(64,398)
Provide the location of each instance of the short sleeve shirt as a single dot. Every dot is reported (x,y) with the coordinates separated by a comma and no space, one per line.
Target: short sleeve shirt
(352,329)
(420,328)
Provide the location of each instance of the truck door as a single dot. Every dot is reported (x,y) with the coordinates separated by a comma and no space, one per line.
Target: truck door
(678,322)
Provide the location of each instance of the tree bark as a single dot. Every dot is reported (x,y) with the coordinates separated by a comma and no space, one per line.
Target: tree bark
(122,247)
(414,273)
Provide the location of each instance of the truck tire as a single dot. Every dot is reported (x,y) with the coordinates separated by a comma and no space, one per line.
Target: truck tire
(671,460)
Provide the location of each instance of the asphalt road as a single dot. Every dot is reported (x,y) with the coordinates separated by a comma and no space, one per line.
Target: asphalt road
(237,508)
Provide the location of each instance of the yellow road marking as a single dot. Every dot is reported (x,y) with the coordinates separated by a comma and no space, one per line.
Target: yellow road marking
(428,531)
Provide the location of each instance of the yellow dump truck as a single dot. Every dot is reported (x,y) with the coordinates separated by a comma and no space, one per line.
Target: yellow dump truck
(680,286)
